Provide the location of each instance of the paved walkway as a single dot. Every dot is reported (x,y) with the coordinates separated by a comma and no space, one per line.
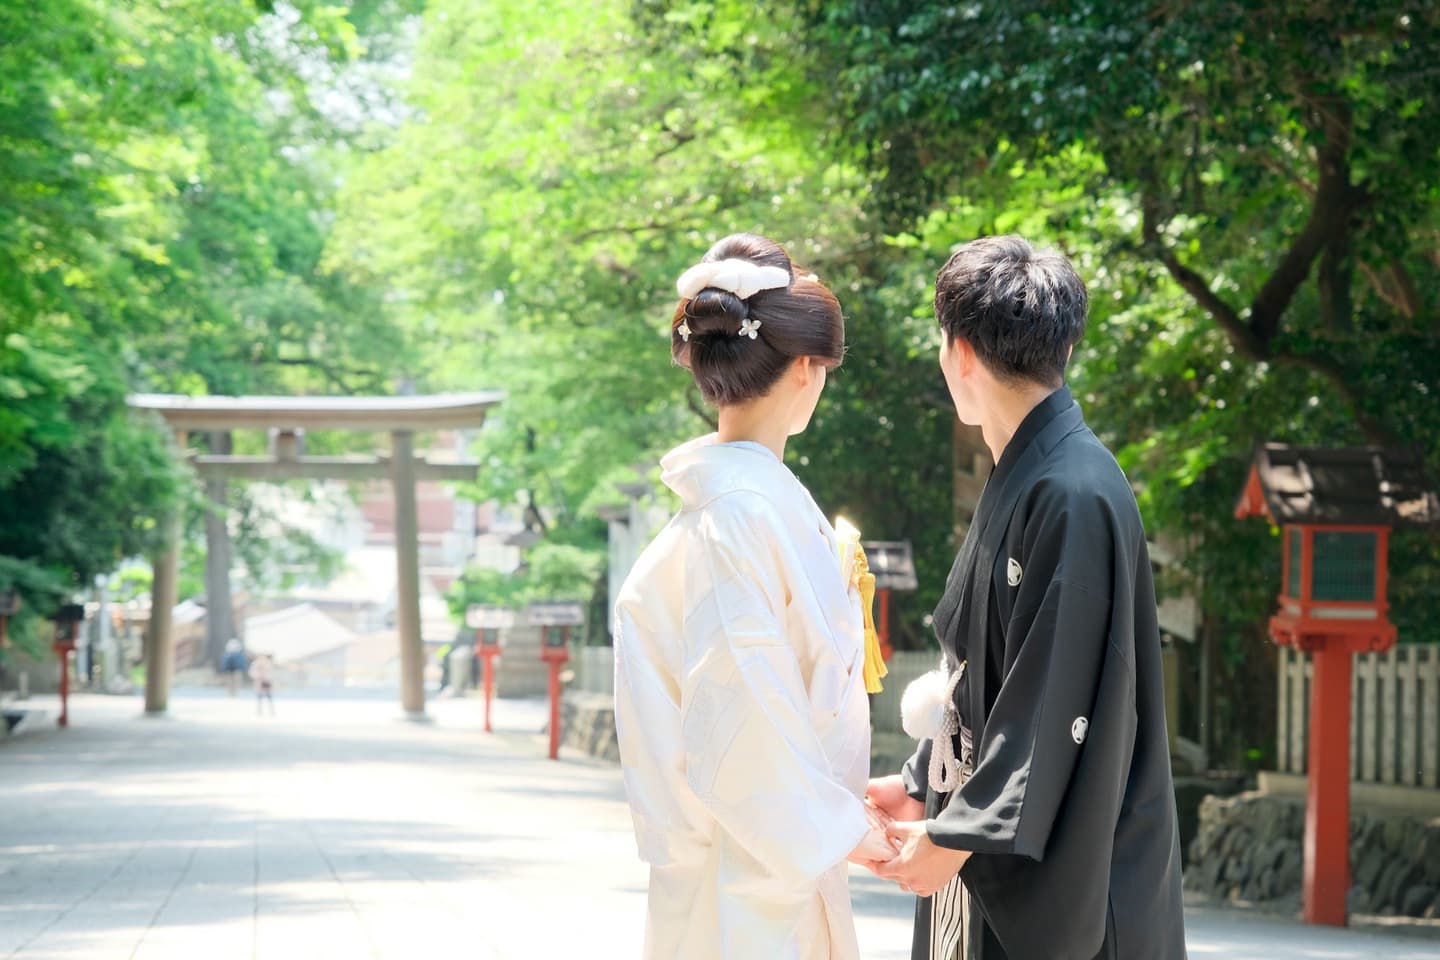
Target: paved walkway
(336,830)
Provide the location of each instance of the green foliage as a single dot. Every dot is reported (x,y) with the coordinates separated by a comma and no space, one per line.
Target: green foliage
(551,572)
(533,226)
(1249,189)
(164,178)
(236,197)
(41,591)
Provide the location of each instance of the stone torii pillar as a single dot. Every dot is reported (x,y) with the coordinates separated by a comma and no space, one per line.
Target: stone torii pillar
(164,594)
(407,583)
(401,417)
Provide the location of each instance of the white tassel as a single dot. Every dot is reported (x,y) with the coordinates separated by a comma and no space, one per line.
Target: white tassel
(927,712)
(922,708)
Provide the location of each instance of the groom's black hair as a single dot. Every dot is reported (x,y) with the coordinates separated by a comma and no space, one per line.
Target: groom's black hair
(1020,309)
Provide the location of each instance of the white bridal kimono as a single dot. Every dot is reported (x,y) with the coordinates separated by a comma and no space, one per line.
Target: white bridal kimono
(743,721)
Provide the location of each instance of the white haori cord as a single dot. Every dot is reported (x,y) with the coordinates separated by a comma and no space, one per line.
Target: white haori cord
(928,712)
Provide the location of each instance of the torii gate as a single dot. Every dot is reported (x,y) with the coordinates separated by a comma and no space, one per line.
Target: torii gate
(402,417)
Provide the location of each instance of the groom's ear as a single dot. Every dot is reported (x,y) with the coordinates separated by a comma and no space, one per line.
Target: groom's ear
(958,355)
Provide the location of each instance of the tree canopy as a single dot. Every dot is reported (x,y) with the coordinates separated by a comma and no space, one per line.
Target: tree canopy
(163,181)
(235,196)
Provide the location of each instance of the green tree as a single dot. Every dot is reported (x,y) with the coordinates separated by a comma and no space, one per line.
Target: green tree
(164,181)
(531,228)
(1250,190)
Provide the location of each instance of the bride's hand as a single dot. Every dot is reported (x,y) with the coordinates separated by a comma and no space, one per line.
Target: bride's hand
(888,793)
(872,851)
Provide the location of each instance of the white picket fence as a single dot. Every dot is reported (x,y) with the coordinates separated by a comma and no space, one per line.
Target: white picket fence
(595,673)
(1394,719)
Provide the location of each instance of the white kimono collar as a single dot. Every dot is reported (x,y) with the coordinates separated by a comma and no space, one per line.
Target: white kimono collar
(702,469)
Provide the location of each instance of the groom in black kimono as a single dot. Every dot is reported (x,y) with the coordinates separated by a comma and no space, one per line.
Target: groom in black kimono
(1062,831)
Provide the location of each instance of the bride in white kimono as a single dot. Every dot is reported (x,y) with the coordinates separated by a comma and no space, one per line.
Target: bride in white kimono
(741,709)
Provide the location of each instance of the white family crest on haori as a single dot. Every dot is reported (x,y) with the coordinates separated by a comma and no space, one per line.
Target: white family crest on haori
(1013,573)
(1079,728)
(740,277)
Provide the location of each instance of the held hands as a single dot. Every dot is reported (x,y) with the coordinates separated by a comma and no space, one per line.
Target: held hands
(885,801)
(920,867)
(873,851)
(888,794)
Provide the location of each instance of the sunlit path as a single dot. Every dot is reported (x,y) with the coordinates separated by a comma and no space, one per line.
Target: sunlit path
(336,829)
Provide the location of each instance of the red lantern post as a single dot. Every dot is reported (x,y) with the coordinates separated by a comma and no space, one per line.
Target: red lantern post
(893,564)
(67,627)
(555,620)
(1335,508)
(487,622)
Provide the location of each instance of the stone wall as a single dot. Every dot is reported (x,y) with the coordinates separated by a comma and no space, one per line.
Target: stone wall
(1248,848)
(519,672)
(587,724)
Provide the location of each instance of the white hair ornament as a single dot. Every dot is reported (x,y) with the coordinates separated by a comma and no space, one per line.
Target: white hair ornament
(740,277)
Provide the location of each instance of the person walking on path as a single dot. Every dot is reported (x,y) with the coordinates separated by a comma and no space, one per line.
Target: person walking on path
(232,664)
(262,671)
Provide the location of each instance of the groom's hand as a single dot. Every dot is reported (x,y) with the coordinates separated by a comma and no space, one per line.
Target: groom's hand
(920,867)
(888,793)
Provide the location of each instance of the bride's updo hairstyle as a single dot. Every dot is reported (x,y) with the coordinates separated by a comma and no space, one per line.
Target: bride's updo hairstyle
(739,326)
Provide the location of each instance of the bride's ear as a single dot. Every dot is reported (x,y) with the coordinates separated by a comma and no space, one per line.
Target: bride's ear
(805,370)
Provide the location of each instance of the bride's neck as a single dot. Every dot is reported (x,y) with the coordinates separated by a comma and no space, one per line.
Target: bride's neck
(759,421)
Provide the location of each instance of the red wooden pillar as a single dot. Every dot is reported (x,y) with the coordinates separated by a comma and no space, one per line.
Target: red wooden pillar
(556,656)
(488,669)
(63,652)
(885,649)
(1327,812)
(554,710)
(487,648)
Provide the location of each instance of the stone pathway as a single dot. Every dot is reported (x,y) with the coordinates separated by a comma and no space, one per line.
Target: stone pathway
(336,829)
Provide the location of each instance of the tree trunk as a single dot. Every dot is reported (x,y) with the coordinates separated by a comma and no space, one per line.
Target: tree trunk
(219,610)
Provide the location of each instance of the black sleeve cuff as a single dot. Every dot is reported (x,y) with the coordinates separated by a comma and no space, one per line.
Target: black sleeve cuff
(916,772)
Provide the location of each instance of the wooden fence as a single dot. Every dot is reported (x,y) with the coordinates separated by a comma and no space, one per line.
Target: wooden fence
(1394,719)
(594,669)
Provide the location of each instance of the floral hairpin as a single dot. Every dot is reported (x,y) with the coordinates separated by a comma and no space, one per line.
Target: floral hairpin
(750,328)
(684,331)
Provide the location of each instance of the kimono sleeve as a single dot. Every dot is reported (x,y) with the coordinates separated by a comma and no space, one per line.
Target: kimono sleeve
(752,754)
(916,772)
(1056,645)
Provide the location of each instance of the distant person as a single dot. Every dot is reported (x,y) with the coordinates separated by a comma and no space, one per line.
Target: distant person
(232,665)
(262,671)
(443,658)
(740,701)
